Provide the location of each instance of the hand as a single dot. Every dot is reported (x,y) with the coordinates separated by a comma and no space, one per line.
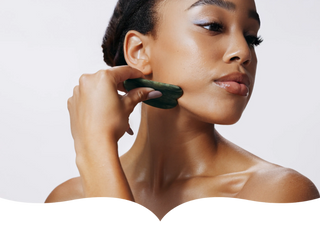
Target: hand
(97,112)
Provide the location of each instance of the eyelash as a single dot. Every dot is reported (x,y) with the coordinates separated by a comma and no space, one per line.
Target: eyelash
(218,27)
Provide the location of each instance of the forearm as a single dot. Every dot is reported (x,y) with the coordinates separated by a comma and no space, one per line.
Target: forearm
(101,172)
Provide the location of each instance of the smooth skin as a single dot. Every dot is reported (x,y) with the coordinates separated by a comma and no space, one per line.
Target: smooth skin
(178,156)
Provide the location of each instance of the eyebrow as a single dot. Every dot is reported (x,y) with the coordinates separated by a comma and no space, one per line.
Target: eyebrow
(226,5)
(253,14)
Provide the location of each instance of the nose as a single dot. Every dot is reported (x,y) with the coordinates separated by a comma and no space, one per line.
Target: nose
(238,51)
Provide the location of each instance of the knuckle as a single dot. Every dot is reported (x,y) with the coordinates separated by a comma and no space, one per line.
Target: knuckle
(104,75)
(83,79)
(130,101)
(75,89)
(141,95)
(102,72)
(109,73)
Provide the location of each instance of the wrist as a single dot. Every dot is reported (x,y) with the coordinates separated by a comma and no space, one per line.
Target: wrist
(93,142)
(96,154)
(102,174)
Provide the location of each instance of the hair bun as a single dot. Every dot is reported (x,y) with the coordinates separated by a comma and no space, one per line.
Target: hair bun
(111,39)
(128,15)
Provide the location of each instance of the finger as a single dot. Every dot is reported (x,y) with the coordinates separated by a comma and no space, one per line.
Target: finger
(69,102)
(121,88)
(71,99)
(134,96)
(76,90)
(122,73)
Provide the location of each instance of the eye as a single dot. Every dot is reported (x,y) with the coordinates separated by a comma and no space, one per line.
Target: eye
(213,26)
(253,40)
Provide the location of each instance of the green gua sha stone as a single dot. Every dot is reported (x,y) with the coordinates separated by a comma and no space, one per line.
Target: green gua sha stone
(170,93)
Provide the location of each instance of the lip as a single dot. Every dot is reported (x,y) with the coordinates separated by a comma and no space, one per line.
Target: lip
(236,83)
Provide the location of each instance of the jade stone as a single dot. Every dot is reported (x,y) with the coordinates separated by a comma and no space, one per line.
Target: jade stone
(170,93)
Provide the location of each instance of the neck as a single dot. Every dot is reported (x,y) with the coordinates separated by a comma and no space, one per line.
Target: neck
(171,145)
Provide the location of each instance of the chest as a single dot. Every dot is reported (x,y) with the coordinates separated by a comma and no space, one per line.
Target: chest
(161,200)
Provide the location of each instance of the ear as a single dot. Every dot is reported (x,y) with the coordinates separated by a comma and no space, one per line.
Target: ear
(136,51)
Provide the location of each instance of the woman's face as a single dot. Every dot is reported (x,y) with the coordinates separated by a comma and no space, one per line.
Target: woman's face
(207,48)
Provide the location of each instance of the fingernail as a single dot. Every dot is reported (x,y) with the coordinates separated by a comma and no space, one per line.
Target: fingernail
(154,94)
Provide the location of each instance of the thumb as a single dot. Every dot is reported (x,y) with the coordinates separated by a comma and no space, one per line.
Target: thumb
(134,96)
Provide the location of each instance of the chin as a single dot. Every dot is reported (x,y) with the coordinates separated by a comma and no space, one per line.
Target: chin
(227,121)
(224,110)
(224,118)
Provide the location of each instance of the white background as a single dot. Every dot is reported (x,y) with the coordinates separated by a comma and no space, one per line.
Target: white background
(46,45)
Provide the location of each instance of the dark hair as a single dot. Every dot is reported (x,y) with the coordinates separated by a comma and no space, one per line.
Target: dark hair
(128,15)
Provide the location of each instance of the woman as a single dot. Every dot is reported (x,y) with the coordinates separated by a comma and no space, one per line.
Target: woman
(207,48)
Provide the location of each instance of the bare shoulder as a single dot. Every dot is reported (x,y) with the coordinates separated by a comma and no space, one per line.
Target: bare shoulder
(273,183)
(69,190)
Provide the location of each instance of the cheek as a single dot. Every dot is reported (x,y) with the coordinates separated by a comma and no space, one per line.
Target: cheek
(179,59)
(187,65)
(252,70)
(254,63)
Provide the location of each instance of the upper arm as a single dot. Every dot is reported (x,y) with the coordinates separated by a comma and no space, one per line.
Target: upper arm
(69,190)
(280,185)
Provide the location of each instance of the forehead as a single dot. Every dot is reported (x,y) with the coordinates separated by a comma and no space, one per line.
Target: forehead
(184,5)
(171,11)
